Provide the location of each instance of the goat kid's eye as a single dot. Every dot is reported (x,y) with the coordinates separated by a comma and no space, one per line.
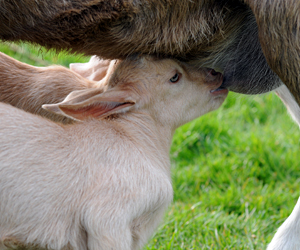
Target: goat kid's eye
(175,78)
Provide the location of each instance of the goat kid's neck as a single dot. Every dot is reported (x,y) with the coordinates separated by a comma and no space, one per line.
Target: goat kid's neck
(135,129)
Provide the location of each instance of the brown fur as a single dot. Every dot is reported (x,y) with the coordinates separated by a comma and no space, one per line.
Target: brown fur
(177,27)
(212,33)
(279,34)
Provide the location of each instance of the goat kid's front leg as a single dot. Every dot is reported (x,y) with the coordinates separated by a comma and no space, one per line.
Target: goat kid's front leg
(287,236)
(13,243)
(117,239)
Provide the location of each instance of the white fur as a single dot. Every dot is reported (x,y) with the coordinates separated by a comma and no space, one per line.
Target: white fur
(287,236)
(290,102)
(98,184)
(95,69)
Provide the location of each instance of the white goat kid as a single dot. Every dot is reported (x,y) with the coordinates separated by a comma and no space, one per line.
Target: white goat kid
(103,183)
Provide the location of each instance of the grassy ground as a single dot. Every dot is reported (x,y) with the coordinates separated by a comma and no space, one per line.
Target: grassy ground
(235,171)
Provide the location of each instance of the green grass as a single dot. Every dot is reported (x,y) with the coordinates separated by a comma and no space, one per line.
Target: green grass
(235,171)
(39,56)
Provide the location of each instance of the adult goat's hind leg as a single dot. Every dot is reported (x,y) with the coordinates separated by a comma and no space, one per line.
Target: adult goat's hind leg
(290,102)
(278,28)
(287,236)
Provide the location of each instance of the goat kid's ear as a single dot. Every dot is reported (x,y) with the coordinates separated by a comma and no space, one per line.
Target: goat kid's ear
(93,103)
(94,70)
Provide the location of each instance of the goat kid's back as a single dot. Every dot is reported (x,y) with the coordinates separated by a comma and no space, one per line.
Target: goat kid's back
(28,87)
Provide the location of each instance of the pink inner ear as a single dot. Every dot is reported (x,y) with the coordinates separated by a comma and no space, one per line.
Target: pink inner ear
(96,110)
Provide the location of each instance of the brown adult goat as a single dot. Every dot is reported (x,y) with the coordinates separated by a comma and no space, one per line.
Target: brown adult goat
(237,37)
